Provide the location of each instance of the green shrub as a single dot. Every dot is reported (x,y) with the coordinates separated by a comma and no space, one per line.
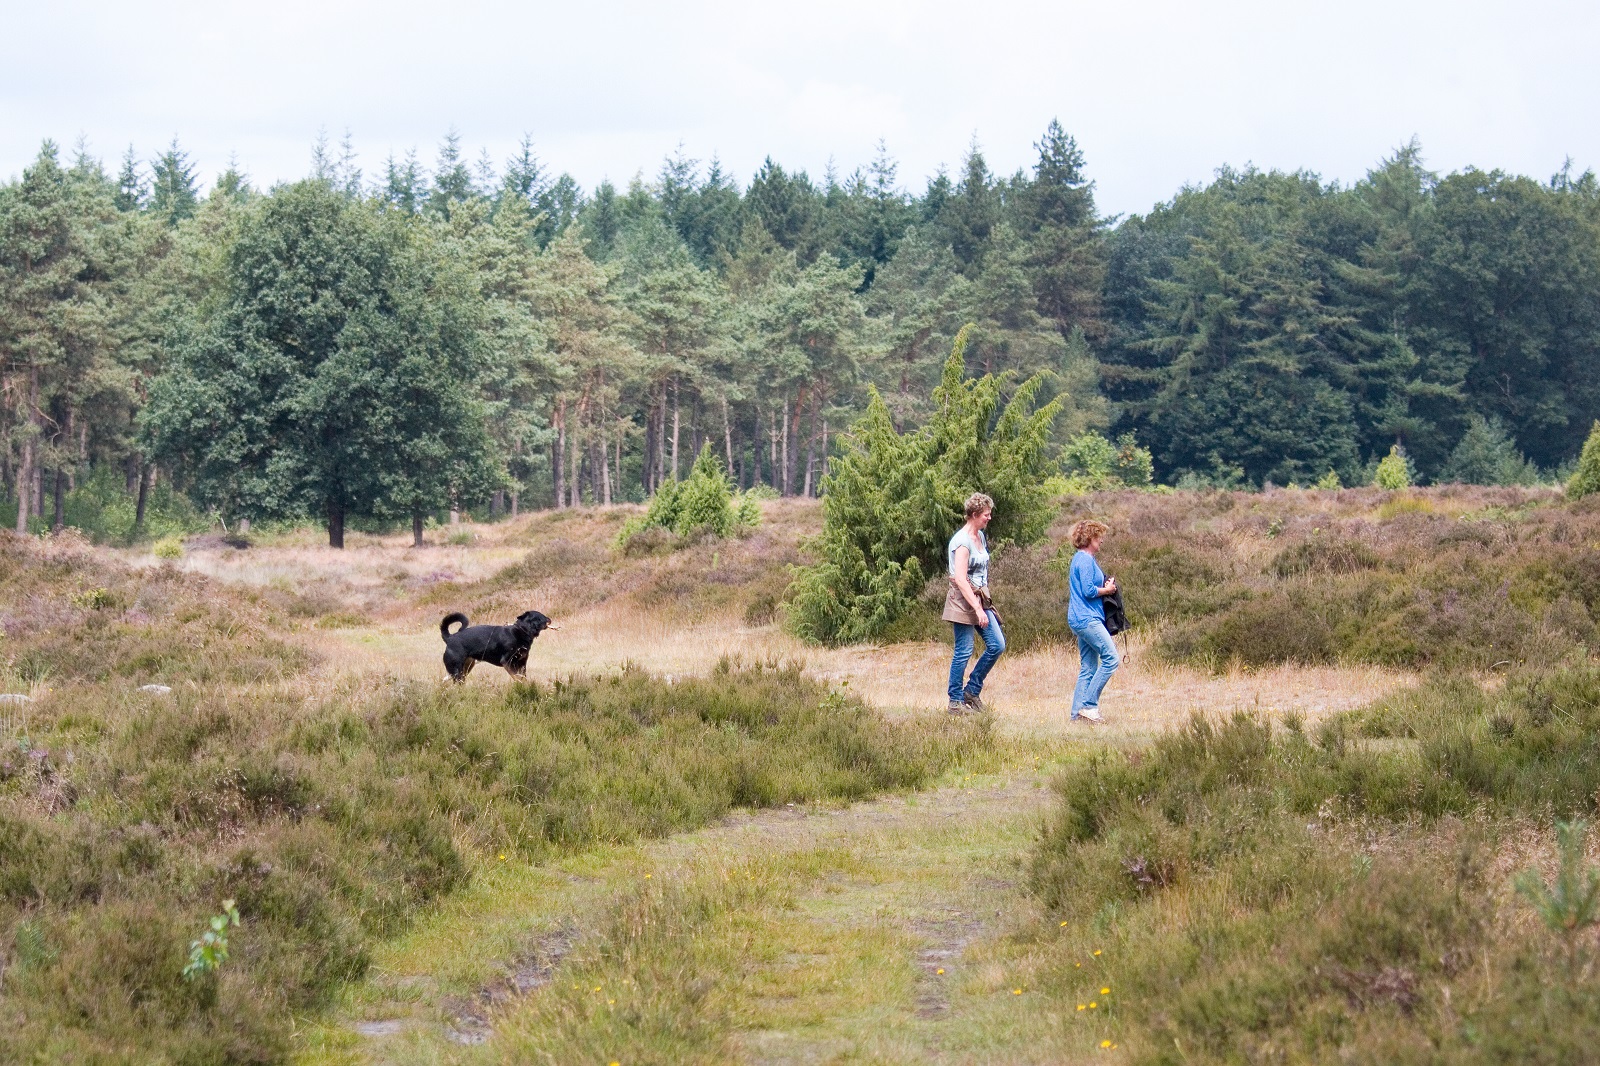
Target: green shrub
(1395,470)
(704,504)
(1091,463)
(892,500)
(168,548)
(1585,479)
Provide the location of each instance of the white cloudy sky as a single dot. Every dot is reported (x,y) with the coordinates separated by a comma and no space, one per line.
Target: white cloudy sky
(1157,92)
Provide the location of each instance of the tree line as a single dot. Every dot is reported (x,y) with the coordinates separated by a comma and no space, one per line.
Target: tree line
(387,348)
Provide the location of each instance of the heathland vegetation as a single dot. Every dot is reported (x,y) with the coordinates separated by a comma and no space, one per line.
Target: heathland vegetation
(386,348)
(224,799)
(1294,886)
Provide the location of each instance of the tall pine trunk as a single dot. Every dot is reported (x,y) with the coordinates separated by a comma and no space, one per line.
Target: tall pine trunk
(143,498)
(416,529)
(574,472)
(675,427)
(58,520)
(772,449)
(26,475)
(25,484)
(558,460)
(784,449)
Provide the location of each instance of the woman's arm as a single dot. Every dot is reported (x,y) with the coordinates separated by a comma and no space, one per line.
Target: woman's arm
(959,576)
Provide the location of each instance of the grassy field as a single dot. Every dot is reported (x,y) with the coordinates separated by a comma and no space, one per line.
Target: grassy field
(1347,722)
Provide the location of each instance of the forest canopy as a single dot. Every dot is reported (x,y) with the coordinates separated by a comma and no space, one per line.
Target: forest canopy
(385,347)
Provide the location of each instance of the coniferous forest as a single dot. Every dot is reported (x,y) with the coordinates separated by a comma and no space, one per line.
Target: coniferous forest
(382,346)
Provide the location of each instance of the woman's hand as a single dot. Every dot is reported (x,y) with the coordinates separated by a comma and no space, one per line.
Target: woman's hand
(1109,587)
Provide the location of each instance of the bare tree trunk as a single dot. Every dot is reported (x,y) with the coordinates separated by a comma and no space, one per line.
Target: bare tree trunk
(621,435)
(824,450)
(772,448)
(25,484)
(58,520)
(811,454)
(674,427)
(605,468)
(661,440)
(784,440)
(497,503)
(335,522)
(558,457)
(145,470)
(574,490)
(514,511)
(727,435)
(416,529)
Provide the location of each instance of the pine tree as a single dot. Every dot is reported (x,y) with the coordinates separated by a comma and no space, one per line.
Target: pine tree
(403,185)
(131,188)
(174,193)
(1486,455)
(524,174)
(452,181)
(1062,233)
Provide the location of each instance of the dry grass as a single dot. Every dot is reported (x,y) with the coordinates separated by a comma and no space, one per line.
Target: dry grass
(679,615)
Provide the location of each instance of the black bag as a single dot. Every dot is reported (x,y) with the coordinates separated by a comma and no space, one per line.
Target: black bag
(1116,617)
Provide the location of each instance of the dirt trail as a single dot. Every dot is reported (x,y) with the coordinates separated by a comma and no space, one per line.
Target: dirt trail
(933,882)
(1029,694)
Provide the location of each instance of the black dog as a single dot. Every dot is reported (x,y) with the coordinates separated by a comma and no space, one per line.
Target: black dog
(505,646)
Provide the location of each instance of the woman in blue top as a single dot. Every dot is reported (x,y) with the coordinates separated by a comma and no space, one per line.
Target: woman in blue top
(1086,617)
(967,606)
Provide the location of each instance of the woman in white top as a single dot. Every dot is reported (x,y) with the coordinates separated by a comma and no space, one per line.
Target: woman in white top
(968,608)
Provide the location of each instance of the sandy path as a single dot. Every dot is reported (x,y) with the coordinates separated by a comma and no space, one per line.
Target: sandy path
(1028,693)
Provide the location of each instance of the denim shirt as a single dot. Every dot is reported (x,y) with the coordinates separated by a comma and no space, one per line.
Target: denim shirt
(1086,580)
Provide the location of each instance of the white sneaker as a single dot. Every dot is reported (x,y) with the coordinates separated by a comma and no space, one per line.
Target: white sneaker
(1091,714)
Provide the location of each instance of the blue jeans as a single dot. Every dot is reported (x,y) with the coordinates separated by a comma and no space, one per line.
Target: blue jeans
(994,642)
(1099,659)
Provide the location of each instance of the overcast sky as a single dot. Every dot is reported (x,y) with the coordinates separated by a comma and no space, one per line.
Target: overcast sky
(1157,93)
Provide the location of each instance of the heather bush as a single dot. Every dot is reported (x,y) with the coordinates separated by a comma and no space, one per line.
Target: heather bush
(330,823)
(1241,887)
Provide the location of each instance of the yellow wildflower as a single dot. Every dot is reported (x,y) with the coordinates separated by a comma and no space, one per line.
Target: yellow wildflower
(1105,991)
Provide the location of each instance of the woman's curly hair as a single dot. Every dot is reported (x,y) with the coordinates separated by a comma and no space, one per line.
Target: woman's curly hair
(1085,533)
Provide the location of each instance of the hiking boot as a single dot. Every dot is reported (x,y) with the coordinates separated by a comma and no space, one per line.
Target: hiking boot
(1091,715)
(959,707)
(971,700)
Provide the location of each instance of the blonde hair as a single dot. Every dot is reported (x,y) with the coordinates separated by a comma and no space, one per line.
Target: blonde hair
(978,503)
(1086,532)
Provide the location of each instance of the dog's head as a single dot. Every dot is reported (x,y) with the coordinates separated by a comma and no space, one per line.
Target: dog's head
(533,623)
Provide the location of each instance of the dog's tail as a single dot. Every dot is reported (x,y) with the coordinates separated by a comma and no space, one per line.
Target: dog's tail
(444,626)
